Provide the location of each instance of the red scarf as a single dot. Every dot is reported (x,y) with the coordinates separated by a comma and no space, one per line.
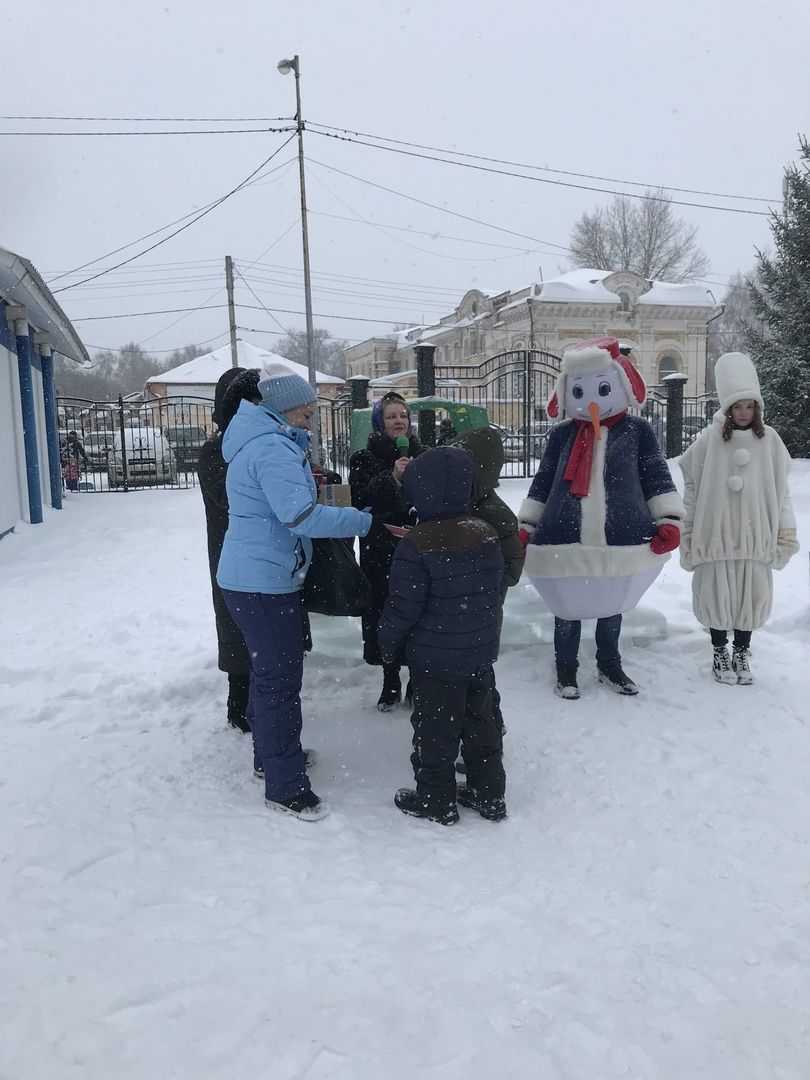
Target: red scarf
(581,459)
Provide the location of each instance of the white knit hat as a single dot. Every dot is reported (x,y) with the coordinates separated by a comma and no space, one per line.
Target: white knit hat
(736,380)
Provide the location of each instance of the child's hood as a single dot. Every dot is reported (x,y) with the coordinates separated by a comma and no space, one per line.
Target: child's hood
(486,449)
(438,483)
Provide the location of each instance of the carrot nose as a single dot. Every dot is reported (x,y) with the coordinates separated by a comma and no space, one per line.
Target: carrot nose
(593,411)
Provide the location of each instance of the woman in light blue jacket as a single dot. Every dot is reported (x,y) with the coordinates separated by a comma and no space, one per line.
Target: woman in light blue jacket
(273,512)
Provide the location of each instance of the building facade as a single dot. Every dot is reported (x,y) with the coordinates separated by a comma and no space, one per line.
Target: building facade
(32,328)
(664,325)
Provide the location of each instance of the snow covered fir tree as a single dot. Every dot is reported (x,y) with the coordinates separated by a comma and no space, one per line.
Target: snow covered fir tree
(781,296)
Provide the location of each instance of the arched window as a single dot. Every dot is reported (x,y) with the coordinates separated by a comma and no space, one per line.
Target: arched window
(667,365)
(624,301)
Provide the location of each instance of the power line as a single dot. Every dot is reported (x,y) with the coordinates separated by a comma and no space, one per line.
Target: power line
(155,352)
(154,232)
(213,307)
(434,206)
(146,134)
(424,232)
(258,330)
(544,168)
(255,297)
(182,228)
(160,119)
(537,179)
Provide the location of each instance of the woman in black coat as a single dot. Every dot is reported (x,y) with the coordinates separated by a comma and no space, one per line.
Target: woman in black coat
(375,476)
(236,385)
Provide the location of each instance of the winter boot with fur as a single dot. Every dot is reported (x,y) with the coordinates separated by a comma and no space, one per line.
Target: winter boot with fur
(567,683)
(494,810)
(616,679)
(739,665)
(721,667)
(409,802)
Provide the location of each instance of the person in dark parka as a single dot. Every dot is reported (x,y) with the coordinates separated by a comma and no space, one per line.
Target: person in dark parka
(443,609)
(486,449)
(236,385)
(375,476)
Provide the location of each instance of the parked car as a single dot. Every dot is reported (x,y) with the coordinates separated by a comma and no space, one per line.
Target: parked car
(186,442)
(149,458)
(98,446)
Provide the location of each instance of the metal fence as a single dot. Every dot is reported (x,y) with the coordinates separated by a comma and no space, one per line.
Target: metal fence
(335,426)
(513,387)
(130,446)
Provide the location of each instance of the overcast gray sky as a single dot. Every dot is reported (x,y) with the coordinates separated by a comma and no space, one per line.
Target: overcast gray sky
(695,94)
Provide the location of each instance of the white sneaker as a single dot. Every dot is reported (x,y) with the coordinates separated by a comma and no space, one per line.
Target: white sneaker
(721,666)
(739,664)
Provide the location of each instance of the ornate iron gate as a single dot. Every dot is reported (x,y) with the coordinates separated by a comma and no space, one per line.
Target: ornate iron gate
(335,426)
(128,446)
(513,387)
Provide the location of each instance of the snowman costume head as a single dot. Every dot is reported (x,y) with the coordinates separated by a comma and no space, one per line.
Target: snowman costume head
(596,382)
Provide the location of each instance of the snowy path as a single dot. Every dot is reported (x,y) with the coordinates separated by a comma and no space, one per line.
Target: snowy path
(644,913)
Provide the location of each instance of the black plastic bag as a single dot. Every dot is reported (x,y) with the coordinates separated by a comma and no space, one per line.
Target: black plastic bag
(335,584)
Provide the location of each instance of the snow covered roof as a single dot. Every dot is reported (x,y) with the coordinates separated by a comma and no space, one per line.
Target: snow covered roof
(580,286)
(20,283)
(687,295)
(207,369)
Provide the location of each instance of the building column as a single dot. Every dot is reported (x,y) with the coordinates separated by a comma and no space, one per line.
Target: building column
(18,318)
(51,420)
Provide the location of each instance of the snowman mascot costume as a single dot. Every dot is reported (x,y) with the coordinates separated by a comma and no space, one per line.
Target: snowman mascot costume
(602,512)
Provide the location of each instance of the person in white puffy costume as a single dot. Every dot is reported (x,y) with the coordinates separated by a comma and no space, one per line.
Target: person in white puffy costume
(739,522)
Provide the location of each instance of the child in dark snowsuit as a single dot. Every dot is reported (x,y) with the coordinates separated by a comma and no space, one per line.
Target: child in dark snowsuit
(486,449)
(443,607)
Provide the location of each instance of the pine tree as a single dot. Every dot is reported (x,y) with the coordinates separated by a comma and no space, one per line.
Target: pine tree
(781,296)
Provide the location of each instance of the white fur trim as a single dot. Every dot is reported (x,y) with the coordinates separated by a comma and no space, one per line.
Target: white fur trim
(594,598)
(577,560)
(582,361)
(668,505)
(530,513)
(594,505)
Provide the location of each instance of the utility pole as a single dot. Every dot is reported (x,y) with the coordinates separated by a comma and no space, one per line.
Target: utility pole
(231,311)
(285,67)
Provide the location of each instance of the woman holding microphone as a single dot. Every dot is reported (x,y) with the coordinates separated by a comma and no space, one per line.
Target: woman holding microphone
(273,513)
(375,476)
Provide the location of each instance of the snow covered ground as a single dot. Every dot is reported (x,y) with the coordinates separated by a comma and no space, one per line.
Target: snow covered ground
(642,914)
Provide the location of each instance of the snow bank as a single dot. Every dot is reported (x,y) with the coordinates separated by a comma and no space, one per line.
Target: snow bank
(643,913)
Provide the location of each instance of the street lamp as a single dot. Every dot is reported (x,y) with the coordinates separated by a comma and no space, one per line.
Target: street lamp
(285,67)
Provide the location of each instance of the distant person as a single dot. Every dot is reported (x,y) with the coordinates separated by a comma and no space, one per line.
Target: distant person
(739,523)
(272,514)
(376,478)
(446,432)
(443,610)
(235,386)
(72,459)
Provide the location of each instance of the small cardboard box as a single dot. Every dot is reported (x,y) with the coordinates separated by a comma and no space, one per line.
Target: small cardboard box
(335,495)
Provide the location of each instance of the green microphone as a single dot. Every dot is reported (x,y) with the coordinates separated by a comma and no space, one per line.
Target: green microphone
(403,446)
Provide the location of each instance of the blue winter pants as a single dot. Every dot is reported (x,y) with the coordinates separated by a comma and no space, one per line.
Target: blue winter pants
(273,631)
(567,633)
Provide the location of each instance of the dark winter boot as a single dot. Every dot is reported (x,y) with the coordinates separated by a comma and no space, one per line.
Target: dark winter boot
(721,667)
(740,667)
(407,800)
(492,811)
(392,688)
(616,679)
(567,683)
(238,689)
(306,807)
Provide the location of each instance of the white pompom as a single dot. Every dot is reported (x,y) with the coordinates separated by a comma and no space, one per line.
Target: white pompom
(735,483)
(741,456)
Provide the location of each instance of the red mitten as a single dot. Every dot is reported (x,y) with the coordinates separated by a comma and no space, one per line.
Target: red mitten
(668,538)
(524,536)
